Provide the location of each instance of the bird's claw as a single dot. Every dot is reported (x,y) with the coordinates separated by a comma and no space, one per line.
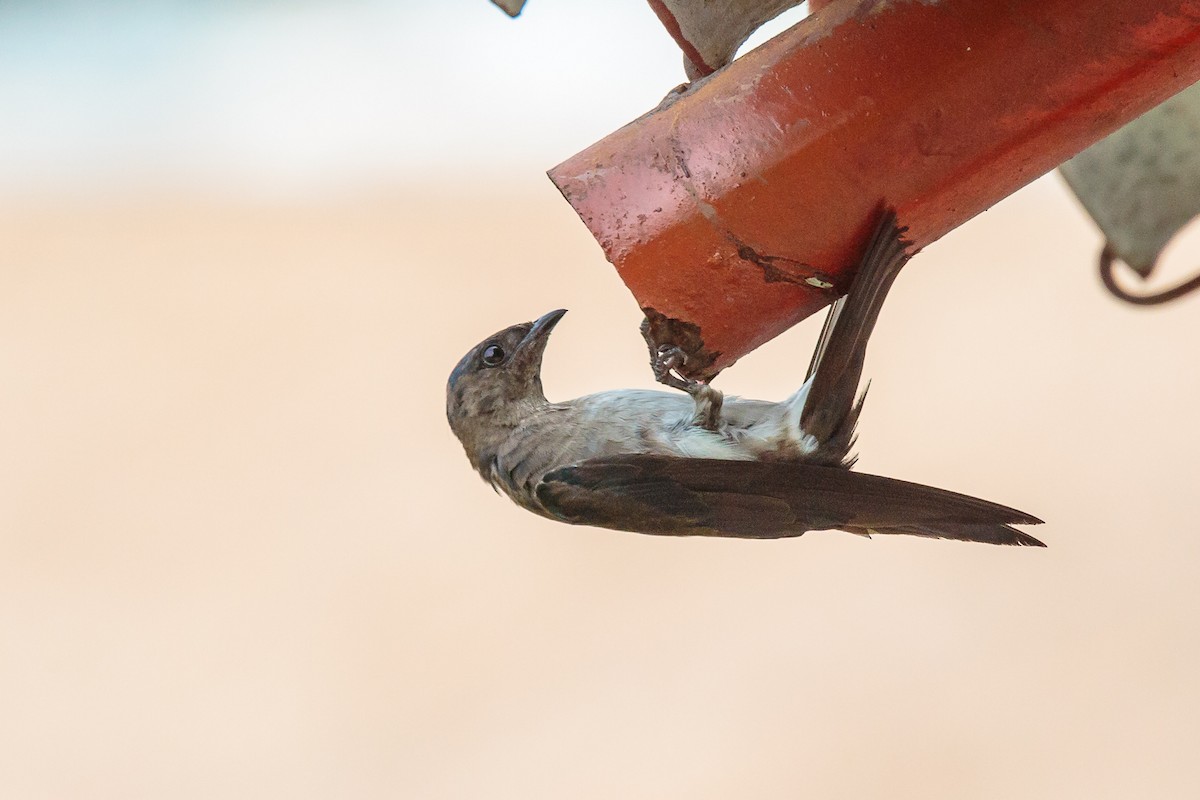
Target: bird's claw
(668,364)
(669,361)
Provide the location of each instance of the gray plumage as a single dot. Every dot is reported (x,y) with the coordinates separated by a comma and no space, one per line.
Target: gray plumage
(699,463)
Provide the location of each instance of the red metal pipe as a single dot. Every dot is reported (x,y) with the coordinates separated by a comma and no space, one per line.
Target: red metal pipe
(735,211)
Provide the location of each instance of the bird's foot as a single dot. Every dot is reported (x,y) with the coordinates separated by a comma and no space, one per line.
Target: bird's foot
(668,366)
(668,363)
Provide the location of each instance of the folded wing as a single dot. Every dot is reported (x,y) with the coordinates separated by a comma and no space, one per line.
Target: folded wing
(766,500)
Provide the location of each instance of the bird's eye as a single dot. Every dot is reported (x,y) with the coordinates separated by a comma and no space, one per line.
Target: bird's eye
(493,354)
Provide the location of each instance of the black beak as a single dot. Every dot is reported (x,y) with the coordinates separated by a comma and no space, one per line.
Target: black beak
(543,325)
(530,350)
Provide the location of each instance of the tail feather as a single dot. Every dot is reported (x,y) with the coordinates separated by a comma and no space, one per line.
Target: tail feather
(995,533)
(831,410)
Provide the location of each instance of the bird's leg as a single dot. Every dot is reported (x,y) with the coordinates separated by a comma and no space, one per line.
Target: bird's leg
(667,364)
(708,406)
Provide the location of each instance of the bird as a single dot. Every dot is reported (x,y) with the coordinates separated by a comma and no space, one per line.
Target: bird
(696,463)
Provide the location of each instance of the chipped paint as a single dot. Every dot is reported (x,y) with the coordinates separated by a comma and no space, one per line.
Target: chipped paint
(765,174)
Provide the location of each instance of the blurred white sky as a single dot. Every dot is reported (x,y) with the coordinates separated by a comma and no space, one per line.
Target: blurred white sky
(282,97)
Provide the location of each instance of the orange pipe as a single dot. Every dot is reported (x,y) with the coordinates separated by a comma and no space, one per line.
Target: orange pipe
(735,211)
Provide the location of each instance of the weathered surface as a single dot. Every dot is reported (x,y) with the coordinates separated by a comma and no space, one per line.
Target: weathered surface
(735,207)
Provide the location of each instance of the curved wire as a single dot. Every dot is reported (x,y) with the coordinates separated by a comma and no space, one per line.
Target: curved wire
(1108,257)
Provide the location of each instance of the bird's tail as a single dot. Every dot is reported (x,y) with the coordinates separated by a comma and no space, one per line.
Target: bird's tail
(831,410)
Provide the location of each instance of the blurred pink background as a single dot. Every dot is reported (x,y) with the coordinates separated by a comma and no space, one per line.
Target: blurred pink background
(241,554)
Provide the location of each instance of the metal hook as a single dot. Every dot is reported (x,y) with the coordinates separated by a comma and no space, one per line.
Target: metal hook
(1108,257)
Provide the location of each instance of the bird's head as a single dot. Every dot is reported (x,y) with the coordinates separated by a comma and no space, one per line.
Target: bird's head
(499,380)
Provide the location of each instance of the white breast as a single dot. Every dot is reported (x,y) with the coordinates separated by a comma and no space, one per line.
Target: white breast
(646,421)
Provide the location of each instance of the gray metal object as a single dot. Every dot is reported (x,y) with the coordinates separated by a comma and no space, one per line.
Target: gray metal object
(1142,185)
(511,7)
(709,32)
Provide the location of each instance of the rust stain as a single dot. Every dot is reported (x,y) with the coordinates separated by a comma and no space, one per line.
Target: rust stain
(740,209)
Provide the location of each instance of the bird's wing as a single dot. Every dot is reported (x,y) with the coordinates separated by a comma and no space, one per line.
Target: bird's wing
(765,500)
